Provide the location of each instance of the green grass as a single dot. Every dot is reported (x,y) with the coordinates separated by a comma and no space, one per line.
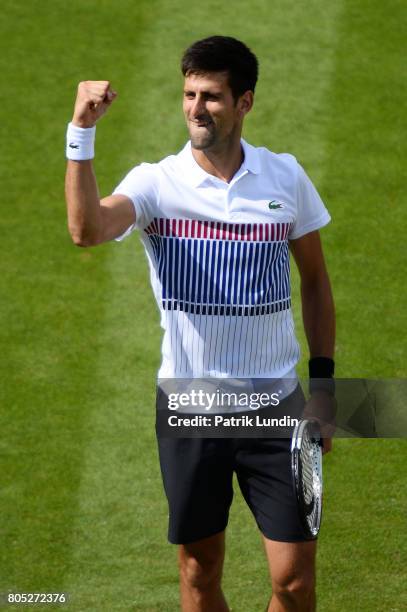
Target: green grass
(82,507)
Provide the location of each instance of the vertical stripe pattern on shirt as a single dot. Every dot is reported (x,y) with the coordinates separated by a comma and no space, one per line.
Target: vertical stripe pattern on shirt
(225,289)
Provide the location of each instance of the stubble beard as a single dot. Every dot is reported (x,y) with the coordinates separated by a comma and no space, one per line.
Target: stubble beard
(203,141)
(201,144)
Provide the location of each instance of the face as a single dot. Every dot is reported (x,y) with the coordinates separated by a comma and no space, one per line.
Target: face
(212,115)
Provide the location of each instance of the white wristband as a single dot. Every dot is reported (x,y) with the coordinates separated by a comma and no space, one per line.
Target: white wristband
(80,142)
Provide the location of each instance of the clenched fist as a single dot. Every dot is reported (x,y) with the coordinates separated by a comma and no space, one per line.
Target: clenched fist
(92,101)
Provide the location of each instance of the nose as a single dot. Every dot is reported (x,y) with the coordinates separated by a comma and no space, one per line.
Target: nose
(198,107)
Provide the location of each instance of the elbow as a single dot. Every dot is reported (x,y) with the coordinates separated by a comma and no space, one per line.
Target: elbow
(79,242)
(81,239)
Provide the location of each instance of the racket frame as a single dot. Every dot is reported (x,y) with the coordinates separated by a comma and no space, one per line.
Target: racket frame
(310,531)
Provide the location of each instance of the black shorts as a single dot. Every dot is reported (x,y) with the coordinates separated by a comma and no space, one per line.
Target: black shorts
(198,474)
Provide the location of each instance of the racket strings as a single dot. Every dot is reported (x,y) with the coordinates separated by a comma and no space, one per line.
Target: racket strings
(307,464)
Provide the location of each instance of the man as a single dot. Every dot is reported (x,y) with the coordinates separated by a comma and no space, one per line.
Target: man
(217,221)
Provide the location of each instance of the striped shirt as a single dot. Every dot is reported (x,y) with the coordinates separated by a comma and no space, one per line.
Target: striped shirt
(219,260)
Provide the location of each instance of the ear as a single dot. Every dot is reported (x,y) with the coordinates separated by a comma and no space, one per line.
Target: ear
(246,102)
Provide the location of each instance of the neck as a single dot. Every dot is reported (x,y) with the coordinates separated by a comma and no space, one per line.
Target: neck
(222,162)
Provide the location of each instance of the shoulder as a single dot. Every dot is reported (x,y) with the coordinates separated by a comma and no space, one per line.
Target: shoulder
(139,182)
(285,165)
(148,173)
(265,160)
(157,171)
(279,169)
(284,162)
(168,164)
(152,169)
(149,177)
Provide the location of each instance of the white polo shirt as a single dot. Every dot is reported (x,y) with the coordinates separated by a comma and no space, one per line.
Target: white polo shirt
(219,260)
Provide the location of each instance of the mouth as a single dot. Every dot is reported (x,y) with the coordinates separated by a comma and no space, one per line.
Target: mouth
(201,124)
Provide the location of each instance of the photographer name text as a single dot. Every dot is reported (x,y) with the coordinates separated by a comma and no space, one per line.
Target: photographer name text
(219,420)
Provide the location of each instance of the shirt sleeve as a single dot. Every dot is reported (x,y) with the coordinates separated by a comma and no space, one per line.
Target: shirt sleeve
(141,186)
(311,211)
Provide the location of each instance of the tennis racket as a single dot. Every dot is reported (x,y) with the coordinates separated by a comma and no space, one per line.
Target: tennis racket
(306,465)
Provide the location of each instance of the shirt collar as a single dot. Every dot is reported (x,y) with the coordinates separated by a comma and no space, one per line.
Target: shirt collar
(196,175)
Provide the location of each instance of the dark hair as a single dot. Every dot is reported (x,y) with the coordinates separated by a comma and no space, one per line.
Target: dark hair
(223,54)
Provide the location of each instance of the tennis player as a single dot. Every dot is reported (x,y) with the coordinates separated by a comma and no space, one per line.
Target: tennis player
(218,220)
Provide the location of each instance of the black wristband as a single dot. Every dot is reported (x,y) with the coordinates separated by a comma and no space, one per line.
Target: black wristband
(321,371)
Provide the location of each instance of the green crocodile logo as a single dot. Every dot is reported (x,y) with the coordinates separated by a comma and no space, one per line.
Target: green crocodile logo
(274,204)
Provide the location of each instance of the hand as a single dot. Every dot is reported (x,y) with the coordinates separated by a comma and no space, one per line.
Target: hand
(326,445)
(92,101)
(322,408)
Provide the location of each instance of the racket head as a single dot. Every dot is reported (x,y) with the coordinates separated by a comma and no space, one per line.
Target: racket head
(306,466)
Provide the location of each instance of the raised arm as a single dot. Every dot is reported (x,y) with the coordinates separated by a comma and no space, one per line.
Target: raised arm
(91,220)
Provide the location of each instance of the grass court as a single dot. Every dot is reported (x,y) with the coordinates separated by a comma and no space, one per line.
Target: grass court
(81,503)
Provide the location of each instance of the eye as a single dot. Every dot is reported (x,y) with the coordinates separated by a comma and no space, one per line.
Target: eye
(189,94)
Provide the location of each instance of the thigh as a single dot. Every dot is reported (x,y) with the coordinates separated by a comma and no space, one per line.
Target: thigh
(263,467)
(197,475)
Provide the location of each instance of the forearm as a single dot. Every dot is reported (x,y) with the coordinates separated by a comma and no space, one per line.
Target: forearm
(85,218)
(83,203)
(318,313)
